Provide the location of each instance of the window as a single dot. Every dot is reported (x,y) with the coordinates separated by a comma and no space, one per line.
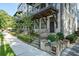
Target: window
(65,5)
(36,23)
(69,7)
(50,4)
(44,23)
(54,5)
(43,5)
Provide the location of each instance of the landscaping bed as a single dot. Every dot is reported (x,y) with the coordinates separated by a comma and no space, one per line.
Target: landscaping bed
(5,49)
(25,38)
(61,41)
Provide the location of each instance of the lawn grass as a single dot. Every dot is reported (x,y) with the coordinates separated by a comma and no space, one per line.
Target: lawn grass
(5,50)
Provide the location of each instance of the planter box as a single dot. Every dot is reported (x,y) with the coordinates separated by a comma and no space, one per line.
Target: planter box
(66,43)
(77,41)
(57,47)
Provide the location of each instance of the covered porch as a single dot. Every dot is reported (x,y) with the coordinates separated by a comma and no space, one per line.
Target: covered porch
(45,21)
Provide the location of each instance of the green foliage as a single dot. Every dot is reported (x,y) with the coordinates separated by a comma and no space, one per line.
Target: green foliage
(24,21)
(60,35)
(25,38)
(34,34)
(71,38)
(13,33)
(5,20)
(28,22)
(53,37)
(5,50)
(1,37)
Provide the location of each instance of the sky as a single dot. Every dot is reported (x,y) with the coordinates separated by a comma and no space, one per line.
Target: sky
(10,8)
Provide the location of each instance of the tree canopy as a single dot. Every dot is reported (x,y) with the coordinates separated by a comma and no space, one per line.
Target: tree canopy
(24,21)
(5,20)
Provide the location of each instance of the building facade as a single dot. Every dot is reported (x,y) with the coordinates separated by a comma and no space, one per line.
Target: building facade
(51,17)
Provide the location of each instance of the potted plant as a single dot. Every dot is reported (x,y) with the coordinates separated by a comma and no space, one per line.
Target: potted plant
(53,37)
(72,38)
(60,35)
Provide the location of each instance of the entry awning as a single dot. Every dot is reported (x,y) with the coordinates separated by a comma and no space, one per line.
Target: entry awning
(45,12)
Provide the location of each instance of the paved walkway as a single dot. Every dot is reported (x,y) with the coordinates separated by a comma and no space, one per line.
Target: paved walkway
(73,51)
(22,49)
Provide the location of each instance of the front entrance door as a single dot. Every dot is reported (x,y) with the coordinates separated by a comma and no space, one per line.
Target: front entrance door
(51,24)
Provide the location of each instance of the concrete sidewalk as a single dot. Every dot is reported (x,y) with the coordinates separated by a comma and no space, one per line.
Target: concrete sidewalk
(22,49)
(73,51)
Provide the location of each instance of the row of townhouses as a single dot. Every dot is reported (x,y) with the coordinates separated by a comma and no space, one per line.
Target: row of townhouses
(51,17)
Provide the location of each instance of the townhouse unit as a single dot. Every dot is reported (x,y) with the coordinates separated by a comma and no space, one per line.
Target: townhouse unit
(51,17)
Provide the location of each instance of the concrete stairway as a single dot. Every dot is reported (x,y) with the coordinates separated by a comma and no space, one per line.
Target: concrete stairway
(36,43)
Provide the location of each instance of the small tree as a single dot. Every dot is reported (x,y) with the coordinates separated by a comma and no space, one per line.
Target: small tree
(28,22)
(5,20)
(24,21)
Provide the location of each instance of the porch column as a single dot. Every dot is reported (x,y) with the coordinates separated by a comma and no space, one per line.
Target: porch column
(46,4)
(40,25)
(48,24)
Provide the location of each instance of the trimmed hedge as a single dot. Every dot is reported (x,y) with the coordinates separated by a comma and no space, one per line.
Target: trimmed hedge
(25,38)
(35,34)
(53,37)
(72,38)
(60,35)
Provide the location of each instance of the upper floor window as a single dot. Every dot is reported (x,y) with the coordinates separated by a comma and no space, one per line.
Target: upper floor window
(50,4)
(69,7)
(65,5)
(43,5)
(53,5)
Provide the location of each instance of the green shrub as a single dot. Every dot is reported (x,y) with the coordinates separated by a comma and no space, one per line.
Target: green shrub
(53,37)
(13,33)
(35,34)
(25,38)
(71,38)
(60,35)
(1,36)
